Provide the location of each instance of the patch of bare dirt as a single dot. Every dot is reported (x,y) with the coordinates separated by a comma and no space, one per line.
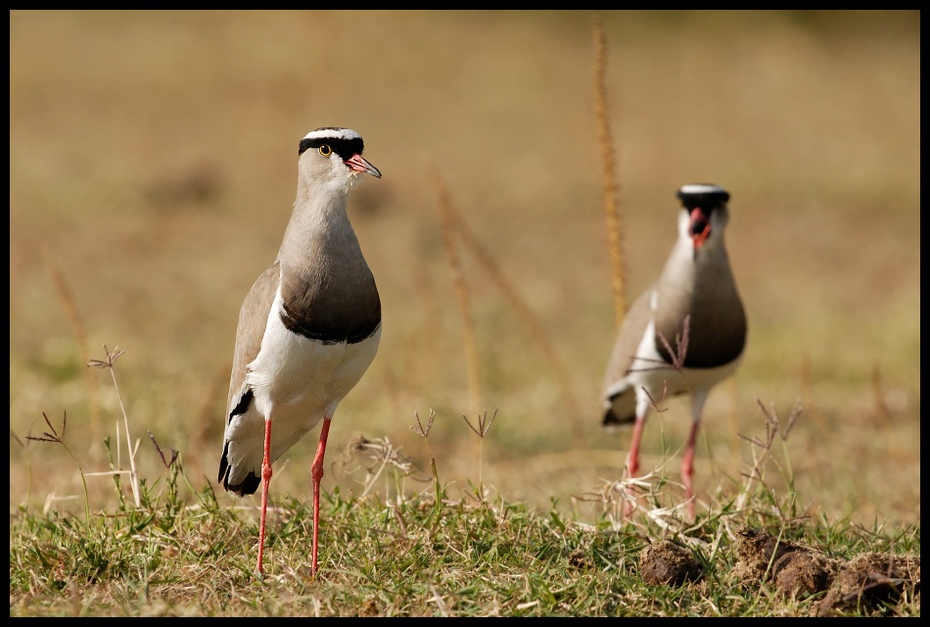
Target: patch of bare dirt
(667,563)
(795,569)
(864,584)
(870,580)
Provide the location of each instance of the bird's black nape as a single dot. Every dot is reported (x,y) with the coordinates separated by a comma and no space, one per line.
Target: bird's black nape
(703,195)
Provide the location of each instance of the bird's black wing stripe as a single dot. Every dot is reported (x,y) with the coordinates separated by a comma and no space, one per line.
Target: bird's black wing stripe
(240,409)
(224,465)
(243,405)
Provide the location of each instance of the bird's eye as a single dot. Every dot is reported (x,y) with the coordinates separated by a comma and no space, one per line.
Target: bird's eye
(325,150)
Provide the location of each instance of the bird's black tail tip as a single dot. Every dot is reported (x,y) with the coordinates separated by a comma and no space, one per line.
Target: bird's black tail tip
(613,419)
(247,486)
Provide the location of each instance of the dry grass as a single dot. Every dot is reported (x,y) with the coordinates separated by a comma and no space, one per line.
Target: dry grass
(605,139)
(153,155)
(463,298)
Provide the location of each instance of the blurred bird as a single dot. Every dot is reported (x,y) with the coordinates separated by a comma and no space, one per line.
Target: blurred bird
(308,329)
(685,334)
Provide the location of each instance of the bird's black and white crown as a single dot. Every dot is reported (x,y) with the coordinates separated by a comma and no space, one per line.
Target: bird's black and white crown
(344,141)
(703,195)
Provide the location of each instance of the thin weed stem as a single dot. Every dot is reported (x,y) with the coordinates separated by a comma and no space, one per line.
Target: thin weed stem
(524,312)
(484,425)
(762,449)
(108,363)
(424,432)
(69,304)
(461,291)
(52,435)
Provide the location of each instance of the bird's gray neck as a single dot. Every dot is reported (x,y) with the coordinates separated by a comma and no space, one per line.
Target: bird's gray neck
(700,284)
(328,290)
(318,222)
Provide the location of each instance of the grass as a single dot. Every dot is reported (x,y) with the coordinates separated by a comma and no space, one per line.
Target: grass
(405,555)
(177,551)
(150,180)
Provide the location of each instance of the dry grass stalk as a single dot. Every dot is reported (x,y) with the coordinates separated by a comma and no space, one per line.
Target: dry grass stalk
(109,364)
(807,396)
(611,210)
(80,334)
(423,432)
(373,456)
(526,315)
(619,498)
(484,426)
(881,408)
(461,291)
(762,449)
(53,436)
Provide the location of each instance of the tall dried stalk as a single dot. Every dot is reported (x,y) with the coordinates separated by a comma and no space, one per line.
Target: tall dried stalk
(524,312)
(881,407)
(611,210)
(816,418)
(447,228)
(80,334)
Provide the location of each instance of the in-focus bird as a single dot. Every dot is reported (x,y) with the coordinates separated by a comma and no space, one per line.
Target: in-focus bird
(308,329)
(685,334)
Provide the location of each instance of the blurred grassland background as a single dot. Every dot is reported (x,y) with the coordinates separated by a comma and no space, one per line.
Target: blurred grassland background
(152,173)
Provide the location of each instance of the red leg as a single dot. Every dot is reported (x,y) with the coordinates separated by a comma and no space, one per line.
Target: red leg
(632,460)
(316,474)
(687,467)
(266,479)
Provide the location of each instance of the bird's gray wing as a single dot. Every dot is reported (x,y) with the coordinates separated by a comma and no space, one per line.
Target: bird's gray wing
(616,393)
(253,318)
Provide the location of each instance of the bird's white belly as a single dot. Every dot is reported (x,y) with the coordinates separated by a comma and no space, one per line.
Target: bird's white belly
(297,381)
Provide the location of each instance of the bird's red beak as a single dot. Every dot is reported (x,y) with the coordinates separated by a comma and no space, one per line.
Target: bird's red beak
(700,227)
(359,164)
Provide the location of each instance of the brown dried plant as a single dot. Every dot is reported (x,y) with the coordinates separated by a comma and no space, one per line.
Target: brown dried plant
(69,304)
(611,209)
(446,221)
(484,426)
(526,315)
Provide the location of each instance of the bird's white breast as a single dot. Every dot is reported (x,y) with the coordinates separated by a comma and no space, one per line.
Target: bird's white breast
(297,381)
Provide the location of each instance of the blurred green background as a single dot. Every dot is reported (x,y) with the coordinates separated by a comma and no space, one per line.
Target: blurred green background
(152,172)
